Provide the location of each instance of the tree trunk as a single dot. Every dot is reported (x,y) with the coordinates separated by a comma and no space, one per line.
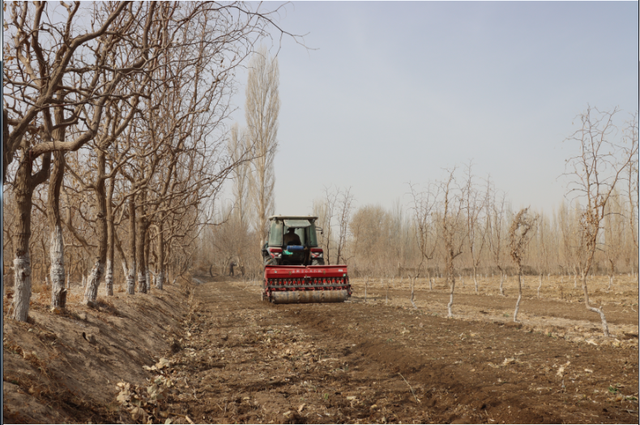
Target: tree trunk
(515,313)
(21,286)
(366,283)
(605,326)
(147,244)
(539,285)
(108,278)
(97,271)
(56,251)
(451,274)
(386,299)
(502,283)
(25,183)
(475,277)
(413,285)
(131,274)
(453,287)
(57,272)
(141,228)
(160,247)
(611,273)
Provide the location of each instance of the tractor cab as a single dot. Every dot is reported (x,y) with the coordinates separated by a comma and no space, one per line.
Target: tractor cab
(292,240)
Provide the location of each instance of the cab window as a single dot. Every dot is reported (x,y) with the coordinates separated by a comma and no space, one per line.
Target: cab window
(275,233)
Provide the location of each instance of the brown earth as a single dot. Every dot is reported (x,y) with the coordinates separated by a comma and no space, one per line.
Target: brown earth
(214,353)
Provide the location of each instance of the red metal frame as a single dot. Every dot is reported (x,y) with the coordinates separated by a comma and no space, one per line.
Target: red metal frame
(305,278)
(284,272)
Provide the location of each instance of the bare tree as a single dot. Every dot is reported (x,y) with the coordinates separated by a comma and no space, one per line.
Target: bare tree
(520,235)
(344,217)
(50,71)
(38,65)
(613,233)
(423,206)
(25,184)
(261,111)
(325,210)
(594,173)
(452,229)
(496,236)
(475,204)
(239,151)
(572,238)
(631,136)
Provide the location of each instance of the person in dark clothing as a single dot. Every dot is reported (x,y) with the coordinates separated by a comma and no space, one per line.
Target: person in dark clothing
(290,238)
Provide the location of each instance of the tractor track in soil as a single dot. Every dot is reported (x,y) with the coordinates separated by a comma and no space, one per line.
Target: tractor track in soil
(356,362)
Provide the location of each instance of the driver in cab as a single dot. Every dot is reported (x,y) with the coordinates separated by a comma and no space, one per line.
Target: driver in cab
(290,238)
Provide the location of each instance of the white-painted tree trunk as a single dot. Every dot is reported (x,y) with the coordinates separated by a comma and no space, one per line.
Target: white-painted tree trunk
(142,282)
(147,278)
(366,283)
(475,280)
(160,280)
(22,287)
(108,279)
(453,286)
(539,286)
(515,313)
(57,272)
(501,284)
(93,282)
(605,326)
(413,285)
(131,279)
(386,298)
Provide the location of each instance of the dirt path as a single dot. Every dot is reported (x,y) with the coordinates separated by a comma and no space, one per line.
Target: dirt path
(357,362)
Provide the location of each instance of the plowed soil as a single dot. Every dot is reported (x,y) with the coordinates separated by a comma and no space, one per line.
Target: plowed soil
(214,353)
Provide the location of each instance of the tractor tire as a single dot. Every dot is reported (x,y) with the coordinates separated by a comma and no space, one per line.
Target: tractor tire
(270,262)
(317,262)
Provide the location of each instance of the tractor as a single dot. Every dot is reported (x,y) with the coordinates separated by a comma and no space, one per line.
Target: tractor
(294,267)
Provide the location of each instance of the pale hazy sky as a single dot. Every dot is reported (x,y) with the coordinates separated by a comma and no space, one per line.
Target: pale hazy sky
(398,91)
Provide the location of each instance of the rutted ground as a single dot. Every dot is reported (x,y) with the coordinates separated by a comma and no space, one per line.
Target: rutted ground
(225,356)
(374,363)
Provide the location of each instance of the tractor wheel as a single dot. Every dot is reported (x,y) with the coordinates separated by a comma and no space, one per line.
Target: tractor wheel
(317,262)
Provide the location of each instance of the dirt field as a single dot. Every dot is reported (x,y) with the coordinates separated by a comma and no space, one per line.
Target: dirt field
(214,353)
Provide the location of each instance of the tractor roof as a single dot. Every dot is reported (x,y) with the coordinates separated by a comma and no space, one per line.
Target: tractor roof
(294,217)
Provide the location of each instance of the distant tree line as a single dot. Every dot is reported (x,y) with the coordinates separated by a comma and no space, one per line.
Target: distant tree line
(463,226)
